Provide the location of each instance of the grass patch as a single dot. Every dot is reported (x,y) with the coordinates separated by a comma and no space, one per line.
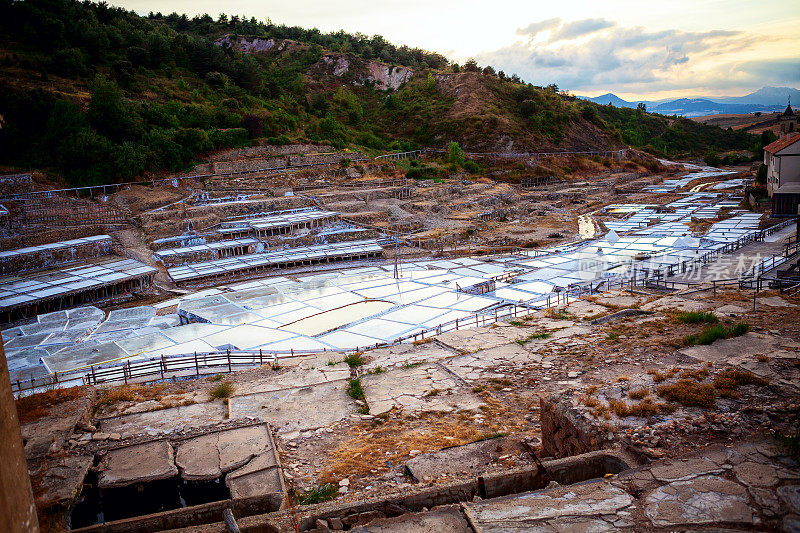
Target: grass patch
(354,360)
(413,364)
(494,435)
(689,393)
(531,337)
(363,410)
(517,323)
(221,391)
(35,406)
(612,336)
(729,379)
(377,370)
(215,377)
(354,389)
(433,392)
(697,317)
(332,362)
(716,332)
(320,494)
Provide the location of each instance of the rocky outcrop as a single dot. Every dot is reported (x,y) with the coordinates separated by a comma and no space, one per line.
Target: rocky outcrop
(253,45)
(360,72)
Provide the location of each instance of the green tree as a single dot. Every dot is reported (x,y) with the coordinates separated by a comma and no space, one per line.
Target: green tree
(455,154)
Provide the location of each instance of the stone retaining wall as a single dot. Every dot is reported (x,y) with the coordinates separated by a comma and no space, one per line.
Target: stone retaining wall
(564,431)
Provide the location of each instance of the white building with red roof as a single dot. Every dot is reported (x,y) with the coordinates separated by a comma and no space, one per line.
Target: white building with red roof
(782,158)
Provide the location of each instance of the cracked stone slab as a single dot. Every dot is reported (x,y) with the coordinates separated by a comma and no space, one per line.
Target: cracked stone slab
(165,421)
(472,340)
(258,477)
(790,496)
(198,458)
(683,470)
(296,409)
(474,459)
(746,347)
(677,303)
(303,371)
(140,463)
(62,482)
(548,510)
(755,474)
(423,388)
(401,354)
(477,365)
(703,500)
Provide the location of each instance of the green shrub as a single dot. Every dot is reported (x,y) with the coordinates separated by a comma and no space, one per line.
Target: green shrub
(320,494)
(354,389)
(716,332)
(354,359)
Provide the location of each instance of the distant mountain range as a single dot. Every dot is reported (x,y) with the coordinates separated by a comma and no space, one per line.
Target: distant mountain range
(765,100)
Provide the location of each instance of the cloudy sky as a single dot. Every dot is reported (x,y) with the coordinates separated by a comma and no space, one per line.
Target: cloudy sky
(635,48)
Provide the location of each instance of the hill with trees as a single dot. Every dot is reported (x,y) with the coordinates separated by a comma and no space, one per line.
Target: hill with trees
(99,94)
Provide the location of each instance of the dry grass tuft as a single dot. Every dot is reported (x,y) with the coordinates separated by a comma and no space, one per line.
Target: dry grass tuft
(729,379)
(638,394)
(134,392)
(645,409)
(35,406)
(659,376)
(223,390)
(689,393)
(695,374)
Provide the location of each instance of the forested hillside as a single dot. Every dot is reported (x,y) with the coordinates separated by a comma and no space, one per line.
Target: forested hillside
(100,94)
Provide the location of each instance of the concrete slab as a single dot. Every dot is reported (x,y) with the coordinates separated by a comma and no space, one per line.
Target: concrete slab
(775,301)
(165,421)
(140,463)
(198,458)
(259,477)
(445,519)
(62,482)
(296,409)
(742,348)
(426,387)
(591,506)
(474,459)
(675,303)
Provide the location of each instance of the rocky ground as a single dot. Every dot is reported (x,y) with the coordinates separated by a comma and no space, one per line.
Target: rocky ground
(615,365)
